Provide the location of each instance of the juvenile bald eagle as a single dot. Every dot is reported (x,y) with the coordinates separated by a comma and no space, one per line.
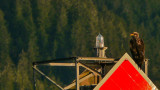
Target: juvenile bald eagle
(137,48)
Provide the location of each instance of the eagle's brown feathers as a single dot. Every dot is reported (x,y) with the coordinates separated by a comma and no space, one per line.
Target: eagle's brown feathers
(137,49)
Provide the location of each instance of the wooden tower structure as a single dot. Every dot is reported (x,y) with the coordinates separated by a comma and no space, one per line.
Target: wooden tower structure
(100,72)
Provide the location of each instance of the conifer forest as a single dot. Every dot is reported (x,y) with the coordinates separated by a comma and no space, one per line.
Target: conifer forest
(39,30)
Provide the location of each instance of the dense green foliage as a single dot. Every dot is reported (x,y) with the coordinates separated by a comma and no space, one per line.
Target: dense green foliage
(36,30)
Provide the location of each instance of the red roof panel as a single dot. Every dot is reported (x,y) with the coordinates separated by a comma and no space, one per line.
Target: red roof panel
(126,77)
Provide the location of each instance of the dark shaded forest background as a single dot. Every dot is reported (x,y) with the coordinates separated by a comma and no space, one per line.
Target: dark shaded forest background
(36,30)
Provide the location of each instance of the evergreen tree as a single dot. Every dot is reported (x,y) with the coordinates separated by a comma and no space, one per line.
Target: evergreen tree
(7,67)
(4,39)
(43,25)
(23,73)
(8,76)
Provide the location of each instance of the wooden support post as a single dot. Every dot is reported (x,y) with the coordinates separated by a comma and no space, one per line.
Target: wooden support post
(60,64)
(77,75)
(146,67)
(34,79)
(103,74)
(101,52)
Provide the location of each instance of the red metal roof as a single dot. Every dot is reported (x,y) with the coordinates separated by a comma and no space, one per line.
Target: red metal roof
(125,75)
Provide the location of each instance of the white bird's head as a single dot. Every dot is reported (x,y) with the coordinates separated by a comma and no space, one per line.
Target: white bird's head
(134,35)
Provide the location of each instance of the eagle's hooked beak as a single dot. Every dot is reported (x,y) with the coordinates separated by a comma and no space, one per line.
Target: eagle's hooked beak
(131,34)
